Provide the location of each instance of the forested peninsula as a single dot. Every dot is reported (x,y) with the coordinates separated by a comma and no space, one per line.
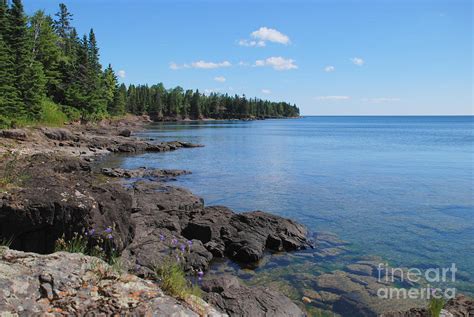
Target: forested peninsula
(49,74)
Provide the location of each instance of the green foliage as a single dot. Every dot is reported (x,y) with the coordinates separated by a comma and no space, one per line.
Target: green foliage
(77,244)
(51,114)
(71,113)
(4,242)
(98,244)
(172,280)
(44,58)
(435,306)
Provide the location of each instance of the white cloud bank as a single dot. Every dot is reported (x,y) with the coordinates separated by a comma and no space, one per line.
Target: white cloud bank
(277,63)
(263,35)
(329,69)
(357,61)
(220,79)
(121,73)
(266,91)
(200,65)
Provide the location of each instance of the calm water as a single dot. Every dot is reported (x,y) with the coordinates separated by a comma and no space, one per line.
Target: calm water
(398,187)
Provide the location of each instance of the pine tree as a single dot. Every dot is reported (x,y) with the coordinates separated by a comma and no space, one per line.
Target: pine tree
(63,28)
(28,74)
(9,100)
(110,90)
(46,51)
(196,106)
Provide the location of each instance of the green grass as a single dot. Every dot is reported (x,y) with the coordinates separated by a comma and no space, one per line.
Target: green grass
(4,242)
(435,306)
(172,280)
(77,244)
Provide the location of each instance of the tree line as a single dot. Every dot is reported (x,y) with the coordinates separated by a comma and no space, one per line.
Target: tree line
(48,71)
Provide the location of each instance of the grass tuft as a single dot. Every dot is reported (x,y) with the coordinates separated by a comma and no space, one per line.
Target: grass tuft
(172,280)
(435,306)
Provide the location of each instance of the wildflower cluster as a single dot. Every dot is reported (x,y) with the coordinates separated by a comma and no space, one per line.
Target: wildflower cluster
(177,251)
(91,242)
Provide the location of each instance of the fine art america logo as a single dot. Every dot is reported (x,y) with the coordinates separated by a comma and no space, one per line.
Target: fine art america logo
(416,276)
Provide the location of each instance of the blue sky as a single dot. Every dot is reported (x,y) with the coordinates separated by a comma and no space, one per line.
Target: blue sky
(328,57)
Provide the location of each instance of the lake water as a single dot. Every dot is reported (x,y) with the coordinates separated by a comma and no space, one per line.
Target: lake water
(401,188)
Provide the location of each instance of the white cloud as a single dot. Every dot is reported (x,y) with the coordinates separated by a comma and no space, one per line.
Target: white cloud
(270,35)
(242,63)
(252,43)
(332,98)
(210,65)
(200,65)
(380,99)
(121,73)
(220,79)
(357,61)
(277,63)
(329,69)
(175,66)
(263,35)
(266,91)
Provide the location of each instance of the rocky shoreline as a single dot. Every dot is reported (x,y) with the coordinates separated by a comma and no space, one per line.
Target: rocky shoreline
(51,190)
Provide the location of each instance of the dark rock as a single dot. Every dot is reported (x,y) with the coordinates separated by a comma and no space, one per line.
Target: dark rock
(125,133)
(143,172)
(60,134)
(17,134)
(227,294)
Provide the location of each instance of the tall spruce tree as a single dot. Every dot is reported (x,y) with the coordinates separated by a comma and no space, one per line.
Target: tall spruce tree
(46,51)
(28,74)
(63,28)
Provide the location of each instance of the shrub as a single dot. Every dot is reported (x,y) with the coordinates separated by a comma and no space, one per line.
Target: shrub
(51,114)
(72,113)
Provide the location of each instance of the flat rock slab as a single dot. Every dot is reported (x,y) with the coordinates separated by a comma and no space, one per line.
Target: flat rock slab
(73,284)
(230,296)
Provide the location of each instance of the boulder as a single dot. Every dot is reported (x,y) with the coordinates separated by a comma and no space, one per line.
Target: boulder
(125,133)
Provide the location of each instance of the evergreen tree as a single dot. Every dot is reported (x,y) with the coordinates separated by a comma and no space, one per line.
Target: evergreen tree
(196,106)
(63,28)
(28,74)
(9,100)
(46,51)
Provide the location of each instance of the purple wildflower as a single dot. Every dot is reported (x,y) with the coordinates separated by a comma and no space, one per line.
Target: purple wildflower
(174,241)
(190,243)
(200,275)
(110,237)
(182,247)
(162,237)
(108,230)
(91,232)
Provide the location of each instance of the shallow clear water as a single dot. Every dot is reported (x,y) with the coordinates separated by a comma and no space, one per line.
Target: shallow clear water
(398,187)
